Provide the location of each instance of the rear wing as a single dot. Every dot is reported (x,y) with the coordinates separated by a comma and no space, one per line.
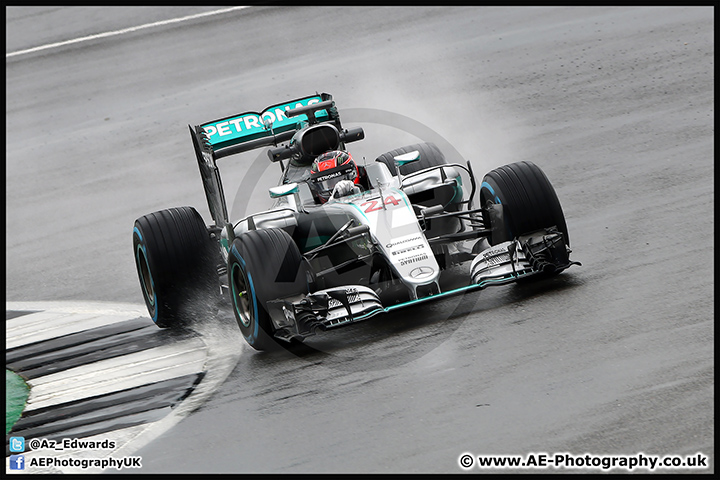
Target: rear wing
(249,131)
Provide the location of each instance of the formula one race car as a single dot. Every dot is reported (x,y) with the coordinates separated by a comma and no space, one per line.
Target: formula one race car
(342,242)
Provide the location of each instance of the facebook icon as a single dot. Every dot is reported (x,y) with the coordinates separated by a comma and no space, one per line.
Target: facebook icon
(17,462)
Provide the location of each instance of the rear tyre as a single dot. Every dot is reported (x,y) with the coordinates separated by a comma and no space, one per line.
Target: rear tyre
(176,261)
(263,265)
(527,199)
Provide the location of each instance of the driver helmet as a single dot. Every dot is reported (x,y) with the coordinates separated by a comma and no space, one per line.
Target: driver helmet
(328,169)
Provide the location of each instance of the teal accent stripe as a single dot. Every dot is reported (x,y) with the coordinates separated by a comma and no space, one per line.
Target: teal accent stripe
(404,198)
(361,212)
(467,288)
(254,335)
(492,192)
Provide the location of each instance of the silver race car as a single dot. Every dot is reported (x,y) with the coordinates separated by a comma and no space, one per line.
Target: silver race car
(342,241)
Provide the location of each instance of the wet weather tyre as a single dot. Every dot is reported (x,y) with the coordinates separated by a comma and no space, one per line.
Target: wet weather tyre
(176,261)
(528,201)
(430,156)
(263,265)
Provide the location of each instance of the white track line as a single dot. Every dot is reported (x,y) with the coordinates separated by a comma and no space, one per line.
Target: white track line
(123,31)
(53,320)
(56,319)
(42,326)
(119,373)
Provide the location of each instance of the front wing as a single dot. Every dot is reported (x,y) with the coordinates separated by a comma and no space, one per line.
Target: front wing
(298,317)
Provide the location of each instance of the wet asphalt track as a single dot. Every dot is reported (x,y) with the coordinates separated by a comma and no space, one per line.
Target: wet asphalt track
(616,106)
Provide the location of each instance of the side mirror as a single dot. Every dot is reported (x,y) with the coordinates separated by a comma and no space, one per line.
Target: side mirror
(406,158)
(283,190)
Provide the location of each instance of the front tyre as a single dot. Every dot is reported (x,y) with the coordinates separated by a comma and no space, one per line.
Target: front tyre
(176,261)
(518,198)
(263,265)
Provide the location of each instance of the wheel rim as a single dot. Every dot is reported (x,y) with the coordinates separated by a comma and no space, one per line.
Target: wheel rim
(241,297)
